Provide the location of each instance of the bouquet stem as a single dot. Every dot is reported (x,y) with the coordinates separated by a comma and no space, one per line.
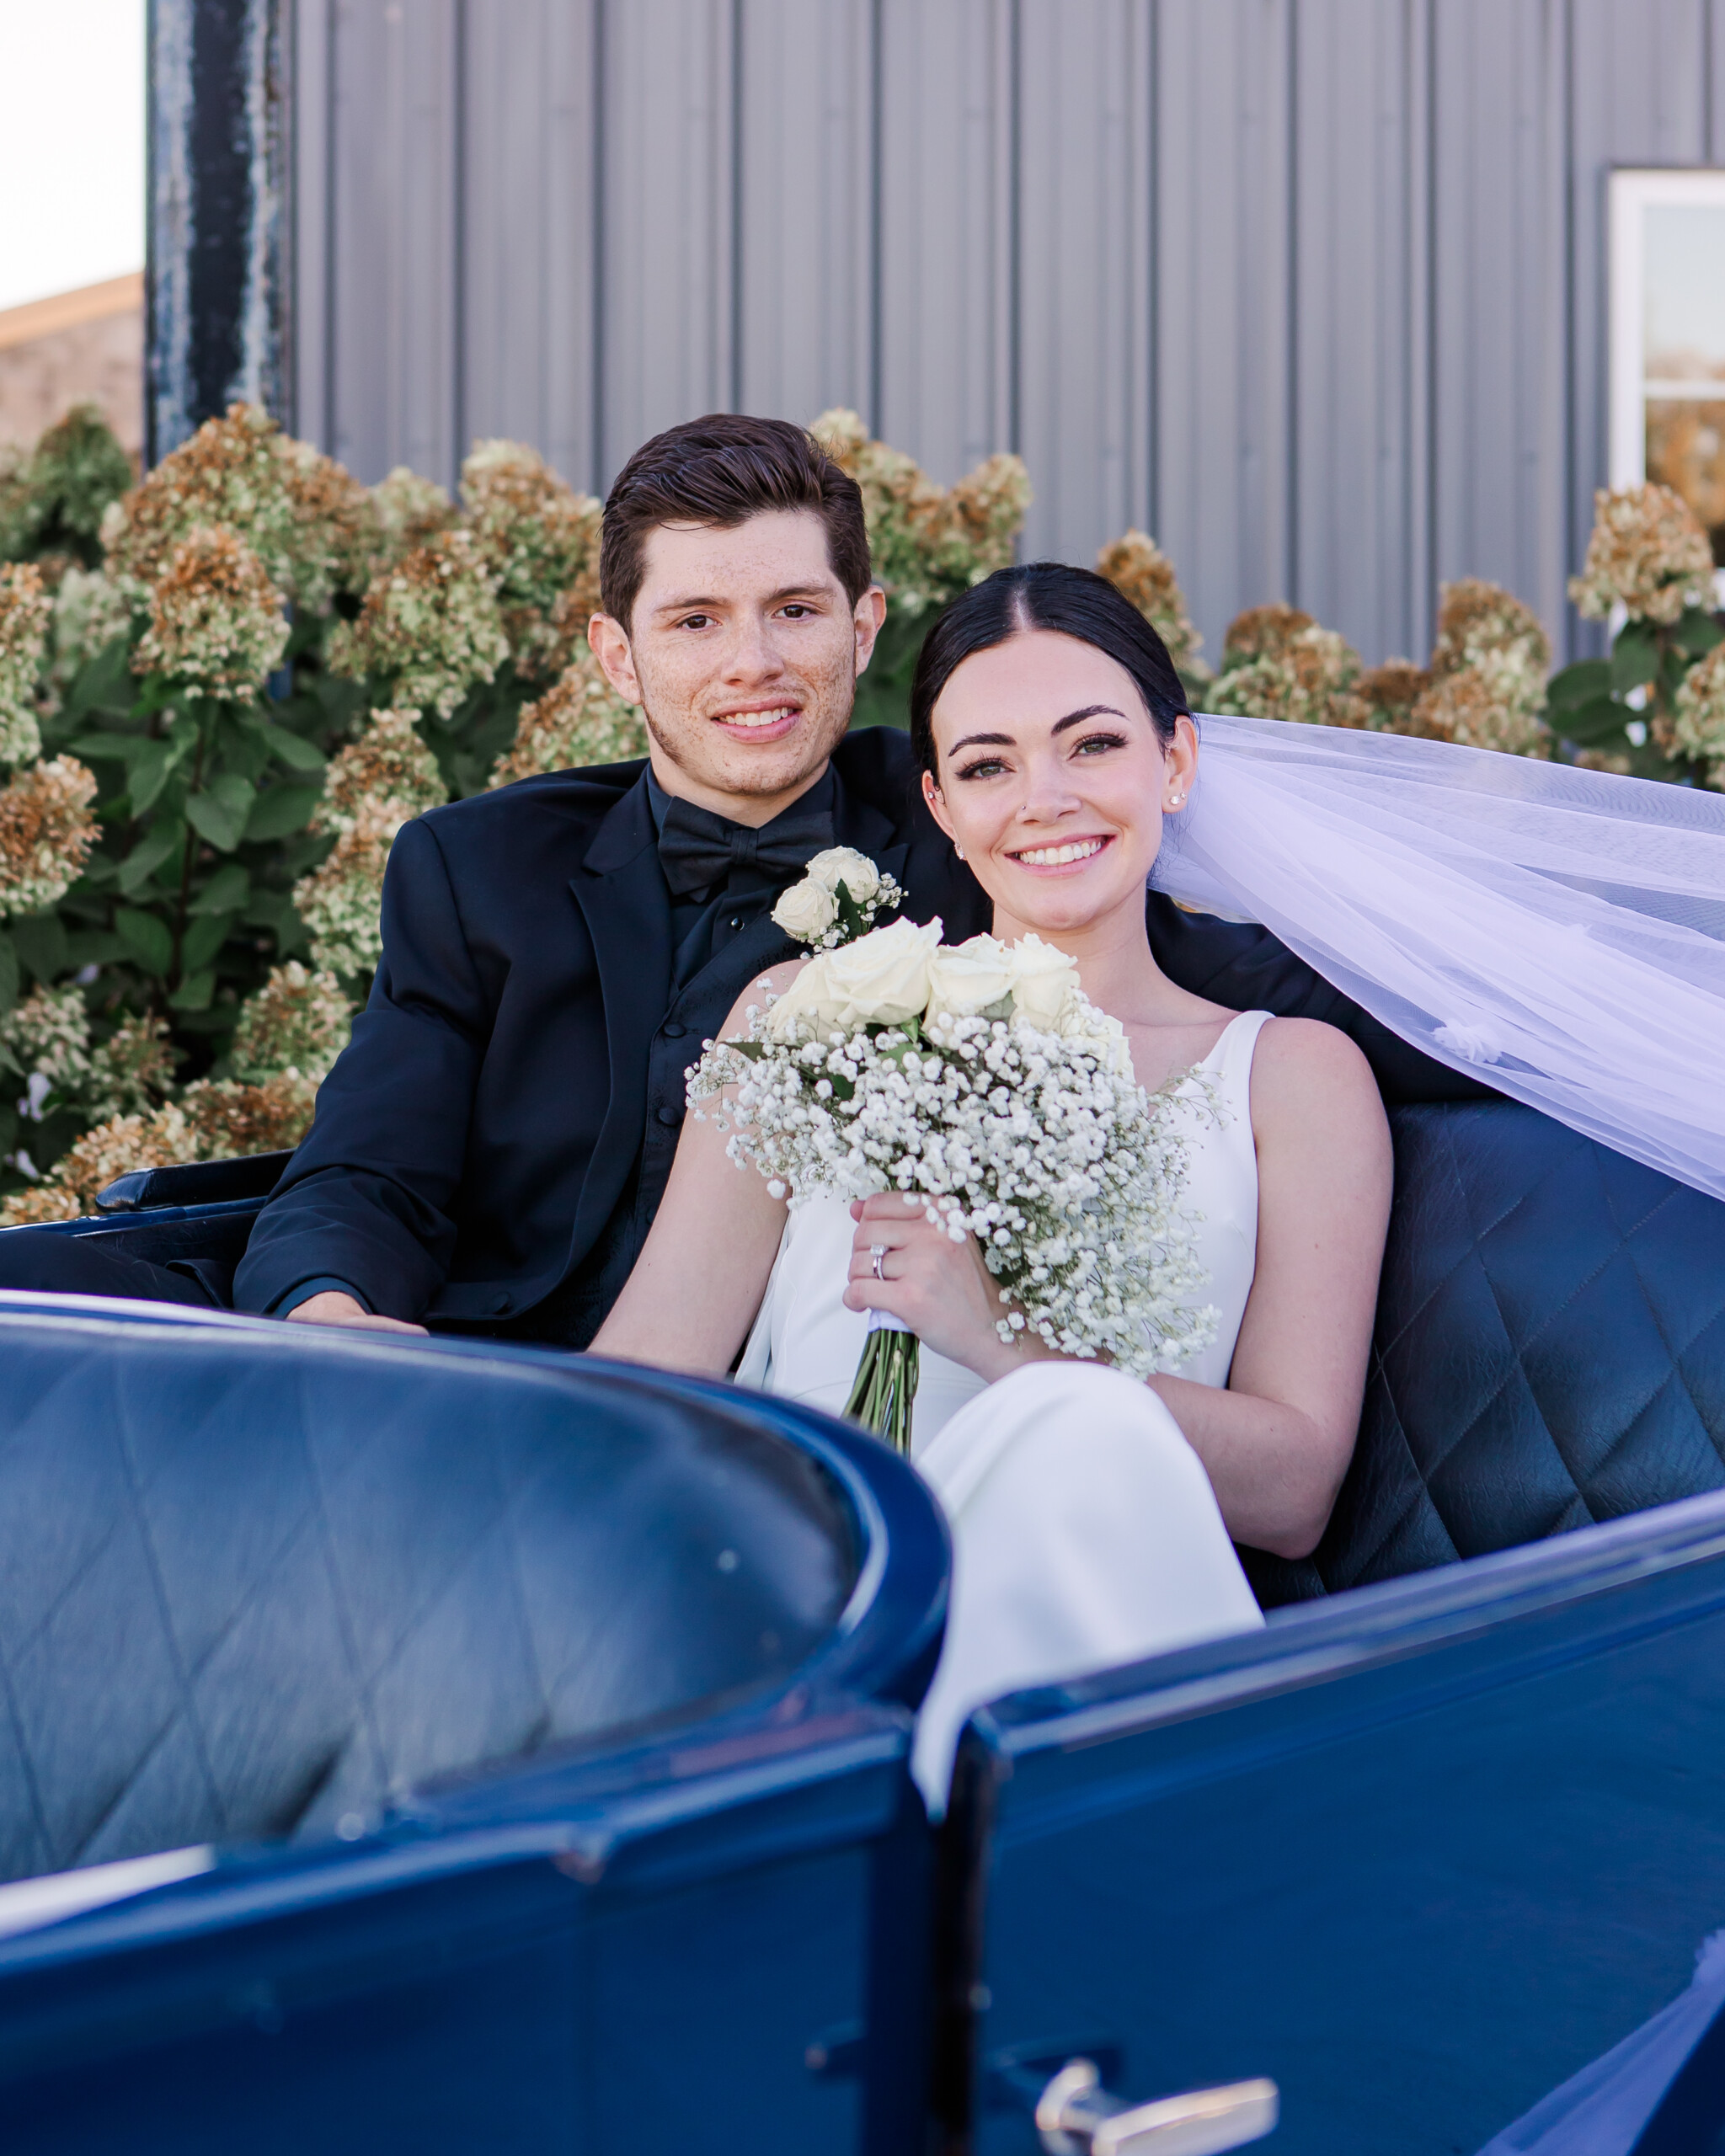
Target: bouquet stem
(886,1387)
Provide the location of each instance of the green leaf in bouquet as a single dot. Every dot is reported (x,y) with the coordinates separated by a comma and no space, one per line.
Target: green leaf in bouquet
(227,892)
(851,916)
(146,938)
(293,749)
(1592,724)
(8,972)
(40,941)
(194,993)
(164,840)
(220,812)
(281,809)
(1635,656)
(204,937)
(1583,683)
(1696,632)
(753,1050)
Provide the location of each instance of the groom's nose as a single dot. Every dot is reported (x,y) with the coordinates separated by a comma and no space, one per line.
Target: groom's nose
(750,653)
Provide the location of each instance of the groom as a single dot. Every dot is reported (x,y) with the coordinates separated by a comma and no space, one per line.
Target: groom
(490,1150)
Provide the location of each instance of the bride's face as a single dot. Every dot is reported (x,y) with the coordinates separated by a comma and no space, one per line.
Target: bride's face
(1052,781)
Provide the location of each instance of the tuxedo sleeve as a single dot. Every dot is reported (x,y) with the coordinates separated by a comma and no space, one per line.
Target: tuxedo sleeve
(369,1198)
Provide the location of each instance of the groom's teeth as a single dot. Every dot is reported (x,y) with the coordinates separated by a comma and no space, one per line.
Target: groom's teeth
(1057,857)
(758,717)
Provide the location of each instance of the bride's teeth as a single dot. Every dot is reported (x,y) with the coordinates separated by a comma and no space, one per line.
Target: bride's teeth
(1057,857)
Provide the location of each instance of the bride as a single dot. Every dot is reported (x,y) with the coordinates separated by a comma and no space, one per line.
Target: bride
(1093,1516)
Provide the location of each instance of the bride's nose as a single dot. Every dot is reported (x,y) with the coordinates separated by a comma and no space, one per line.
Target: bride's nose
(1048,793)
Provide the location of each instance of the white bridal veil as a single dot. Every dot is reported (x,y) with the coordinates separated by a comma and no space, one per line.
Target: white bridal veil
(1559,932)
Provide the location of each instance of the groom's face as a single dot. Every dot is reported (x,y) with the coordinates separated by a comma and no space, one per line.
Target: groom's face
(743,651)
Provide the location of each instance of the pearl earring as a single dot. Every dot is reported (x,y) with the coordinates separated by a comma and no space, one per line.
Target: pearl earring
(1178,802)
(959,851)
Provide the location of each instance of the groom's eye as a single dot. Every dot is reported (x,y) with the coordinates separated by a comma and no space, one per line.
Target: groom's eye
(695,622)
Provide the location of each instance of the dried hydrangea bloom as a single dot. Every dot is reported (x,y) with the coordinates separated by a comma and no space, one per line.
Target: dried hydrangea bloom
(48,1036)
(115,1148)
(1390,692)
(340,900)
(1471,708)
(1613,760)
(40,1203)
(25,609)
(389,765)
(1648,553)
(311,526)
(46,831)
(227,1117)
(217,624)
(131,1070)
(1263,632)
(969,533)
(90,609)
(1137,566)
(580,720)
(409,511)
(1698,726)
(76,470)
(538,537)
(431,625)
(1308,681)
(15,499)
(1476,618)
(565,642)
(295,1026)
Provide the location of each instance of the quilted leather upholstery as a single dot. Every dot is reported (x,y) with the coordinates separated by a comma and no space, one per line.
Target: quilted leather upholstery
(1550,1350)
(251,1582)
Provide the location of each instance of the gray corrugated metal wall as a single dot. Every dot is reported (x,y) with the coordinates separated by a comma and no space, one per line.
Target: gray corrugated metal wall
(1312,289)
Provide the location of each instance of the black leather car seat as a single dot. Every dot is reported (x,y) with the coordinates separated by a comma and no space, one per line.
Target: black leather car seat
(255,1585)
(1550,1350)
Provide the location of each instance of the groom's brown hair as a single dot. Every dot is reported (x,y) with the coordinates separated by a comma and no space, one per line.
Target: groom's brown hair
(721,470)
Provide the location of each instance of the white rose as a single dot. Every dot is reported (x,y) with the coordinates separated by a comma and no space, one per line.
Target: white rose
(880,979)
(1044,981)
(966,977)
(843,864)
(807,911)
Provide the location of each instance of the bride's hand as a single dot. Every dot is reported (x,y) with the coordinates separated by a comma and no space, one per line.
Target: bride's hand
(939,1288)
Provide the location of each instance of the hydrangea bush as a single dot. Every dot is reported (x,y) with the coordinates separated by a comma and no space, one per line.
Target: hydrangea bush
(223,690)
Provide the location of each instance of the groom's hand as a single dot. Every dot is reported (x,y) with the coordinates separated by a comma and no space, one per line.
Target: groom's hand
(331,1307)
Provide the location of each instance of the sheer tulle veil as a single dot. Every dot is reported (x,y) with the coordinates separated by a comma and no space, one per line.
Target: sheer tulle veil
(1559,932)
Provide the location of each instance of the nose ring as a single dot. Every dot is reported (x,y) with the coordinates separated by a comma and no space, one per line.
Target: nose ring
(877,1251)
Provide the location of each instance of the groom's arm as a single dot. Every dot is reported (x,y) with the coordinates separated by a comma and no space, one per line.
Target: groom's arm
(365,1206)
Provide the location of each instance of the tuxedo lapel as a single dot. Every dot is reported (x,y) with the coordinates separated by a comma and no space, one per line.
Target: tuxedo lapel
(621,890)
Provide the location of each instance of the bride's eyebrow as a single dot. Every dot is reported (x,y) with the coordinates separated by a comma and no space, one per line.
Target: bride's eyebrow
(1077,717)
(988,740)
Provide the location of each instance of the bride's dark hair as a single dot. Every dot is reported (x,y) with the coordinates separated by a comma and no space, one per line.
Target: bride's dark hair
(1044,596)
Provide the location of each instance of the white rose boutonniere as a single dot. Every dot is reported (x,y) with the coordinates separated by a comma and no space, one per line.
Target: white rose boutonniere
(841,897)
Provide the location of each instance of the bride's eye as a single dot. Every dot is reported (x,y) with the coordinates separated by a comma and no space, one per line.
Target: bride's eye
(984,767)
(1092,744)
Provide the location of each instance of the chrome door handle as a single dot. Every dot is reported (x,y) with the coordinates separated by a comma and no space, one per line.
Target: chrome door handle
(1077,2116)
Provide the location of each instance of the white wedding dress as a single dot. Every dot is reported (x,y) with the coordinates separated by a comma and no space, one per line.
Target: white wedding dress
(1085,1532)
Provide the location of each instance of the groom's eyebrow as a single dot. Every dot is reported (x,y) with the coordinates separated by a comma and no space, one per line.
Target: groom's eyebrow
(689,604)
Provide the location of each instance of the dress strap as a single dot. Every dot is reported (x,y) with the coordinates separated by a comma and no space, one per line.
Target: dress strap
(1229,1063)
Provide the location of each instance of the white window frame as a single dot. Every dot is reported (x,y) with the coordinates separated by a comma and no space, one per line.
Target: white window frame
(1633,193)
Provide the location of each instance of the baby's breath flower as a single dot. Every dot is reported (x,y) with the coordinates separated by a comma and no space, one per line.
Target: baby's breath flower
(580,720)
(24,612)
(217,624)
(1648,553)
(430,624)
(295,1025)
(540,540)
(1698,728)
(45,831)
(1135,565)
(389,765)
(410,510)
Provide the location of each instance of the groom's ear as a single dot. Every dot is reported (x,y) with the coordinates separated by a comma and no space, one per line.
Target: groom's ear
(866,616)
(610,644)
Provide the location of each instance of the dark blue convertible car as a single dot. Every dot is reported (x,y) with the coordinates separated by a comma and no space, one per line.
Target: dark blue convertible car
(445,1748)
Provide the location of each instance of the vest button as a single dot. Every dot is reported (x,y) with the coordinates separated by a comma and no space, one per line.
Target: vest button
(672,1030)
(670,1116)
(736,922)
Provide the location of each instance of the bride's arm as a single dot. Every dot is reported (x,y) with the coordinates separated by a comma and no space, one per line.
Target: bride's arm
(1277,1442)
(697,1285)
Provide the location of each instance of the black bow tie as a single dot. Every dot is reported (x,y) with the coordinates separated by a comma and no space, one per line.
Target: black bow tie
(699,849)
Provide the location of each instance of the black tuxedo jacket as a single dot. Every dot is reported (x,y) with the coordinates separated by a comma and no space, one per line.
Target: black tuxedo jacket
(516,1076)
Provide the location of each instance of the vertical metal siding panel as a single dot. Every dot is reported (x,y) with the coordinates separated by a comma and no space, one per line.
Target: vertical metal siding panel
(1223,267)
(946,184)
(309,324)
(393,364)
(529,224)
(1085,364)
(1638,97)
(1499,346)
(1714,25)
(1359,249)
(806,189)
(666,348)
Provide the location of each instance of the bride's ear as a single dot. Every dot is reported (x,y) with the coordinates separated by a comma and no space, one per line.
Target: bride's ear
(1179,765)
(937,809)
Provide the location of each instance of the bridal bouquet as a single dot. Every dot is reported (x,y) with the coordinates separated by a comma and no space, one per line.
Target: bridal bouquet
(978,1078)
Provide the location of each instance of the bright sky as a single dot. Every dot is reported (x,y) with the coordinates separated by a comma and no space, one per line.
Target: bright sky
(72,144)
(1685,280)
